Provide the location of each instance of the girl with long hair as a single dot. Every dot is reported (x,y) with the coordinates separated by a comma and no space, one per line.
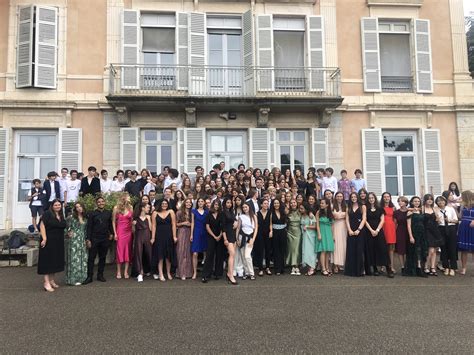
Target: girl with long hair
(400,217)
(448,223)
(417,248)
(355,222)
(263,243)
(466,228)
(247,229)
(184,269)
(339,231)
(308,230)
(76,250)
(229,226)
(143,237)
(198,232)
(293,256)
(389,229)
(432,233)
(325,244)
(215,243)
(279,236)
(122,218)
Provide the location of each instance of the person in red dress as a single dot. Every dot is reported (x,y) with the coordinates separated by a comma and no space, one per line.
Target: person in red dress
(389,228)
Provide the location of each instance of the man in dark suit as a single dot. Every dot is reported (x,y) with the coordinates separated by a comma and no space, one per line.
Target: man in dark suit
(90,184)
(51,189)
(253,200)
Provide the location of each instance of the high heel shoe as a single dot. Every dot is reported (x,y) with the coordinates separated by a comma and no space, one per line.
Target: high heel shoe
(48,289)
(53,284)
(233,283)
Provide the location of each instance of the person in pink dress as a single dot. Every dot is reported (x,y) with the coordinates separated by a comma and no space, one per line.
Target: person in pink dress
(389,227)
(122,219)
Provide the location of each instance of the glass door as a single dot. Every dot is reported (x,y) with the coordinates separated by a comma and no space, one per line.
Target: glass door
(228,147)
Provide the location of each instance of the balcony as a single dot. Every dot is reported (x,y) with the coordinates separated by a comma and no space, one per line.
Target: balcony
(153,85)
(397,84)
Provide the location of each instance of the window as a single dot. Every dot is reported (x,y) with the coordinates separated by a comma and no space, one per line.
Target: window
(37,42)
(292,149)
(158,149)
(400,163)
(158,51)
(288,43)
(395,59)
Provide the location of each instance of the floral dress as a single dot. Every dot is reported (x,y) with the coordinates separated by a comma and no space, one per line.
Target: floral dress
(76,251)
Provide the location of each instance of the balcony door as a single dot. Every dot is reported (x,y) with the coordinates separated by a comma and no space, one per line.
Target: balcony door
(229,147)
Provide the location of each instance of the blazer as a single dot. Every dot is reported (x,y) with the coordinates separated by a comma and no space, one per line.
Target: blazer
(47,191)
(93,188)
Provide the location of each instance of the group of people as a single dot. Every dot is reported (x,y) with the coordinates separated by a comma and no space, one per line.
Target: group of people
(245,222)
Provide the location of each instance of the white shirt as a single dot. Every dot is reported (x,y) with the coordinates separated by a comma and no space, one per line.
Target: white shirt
(450,215)
(148,187)
(117,186)
(53,190)
(246,224)
(73,187)
(329,183)
(169,181)
(105,185)
(255,204)
(62,186)
(35,201)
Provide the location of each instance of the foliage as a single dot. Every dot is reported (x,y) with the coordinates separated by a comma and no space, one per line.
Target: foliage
(470,42)
(111,200)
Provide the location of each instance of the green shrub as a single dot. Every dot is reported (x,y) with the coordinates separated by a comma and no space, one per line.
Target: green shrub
(110,201)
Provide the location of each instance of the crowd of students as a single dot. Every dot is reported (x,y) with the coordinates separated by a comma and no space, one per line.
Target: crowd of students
(244,223)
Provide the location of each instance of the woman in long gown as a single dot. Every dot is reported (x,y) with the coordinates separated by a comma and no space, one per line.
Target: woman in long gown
(51,253)
(339,231)
(76,250)
(400,217)
(143,238)
(229,224)
(293,257)
(183,244)
(432,233)
(417,248)
(198,232)
(355,221)
(466,228)
(279,236)
(263,243)
(325,244)
(389,229)
(163,228)
(122,218)
(308,230)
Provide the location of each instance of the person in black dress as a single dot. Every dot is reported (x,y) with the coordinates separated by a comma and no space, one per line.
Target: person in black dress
(279,236)
(229,225)
(263,243)
(51,253)
(432,233)
(376,247)
(355,221)
(215,243)
(143,238)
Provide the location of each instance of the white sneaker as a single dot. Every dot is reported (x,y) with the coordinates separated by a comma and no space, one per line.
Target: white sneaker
(140,278)
(293,271)
(297,272)
(156,276)
(77,284)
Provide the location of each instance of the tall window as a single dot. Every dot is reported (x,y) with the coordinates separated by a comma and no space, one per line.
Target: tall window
(288,43)
(225,56)
(158,149)
(400,163)
(395,59)
(158,49)
(292,149)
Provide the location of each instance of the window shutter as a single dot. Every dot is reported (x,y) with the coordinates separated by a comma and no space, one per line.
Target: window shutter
(373,161)
(432,161)
(194,149)
(181,156)
(70,148)
(370,54)
(424,72)
(247,52)
(265,72)
(320,148)
(316,58)
(129,142)
(46,47)
(24,49)
(182,49)
(273,148)
(4,158)
(197,52)
(130,49)
(259,148)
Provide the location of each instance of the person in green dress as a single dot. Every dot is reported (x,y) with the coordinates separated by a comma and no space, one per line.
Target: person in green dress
(293,257)
(308,230)
(325,245)
(76,250)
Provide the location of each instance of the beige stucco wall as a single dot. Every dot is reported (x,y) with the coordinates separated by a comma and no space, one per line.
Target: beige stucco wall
(92,124)
(352,123)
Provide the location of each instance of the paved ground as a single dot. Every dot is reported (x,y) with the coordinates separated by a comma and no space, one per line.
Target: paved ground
(285,314)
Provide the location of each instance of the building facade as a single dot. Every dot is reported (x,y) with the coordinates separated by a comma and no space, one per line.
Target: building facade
(381,85)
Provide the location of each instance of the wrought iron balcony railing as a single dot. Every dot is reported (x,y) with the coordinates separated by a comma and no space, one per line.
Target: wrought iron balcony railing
(214,81)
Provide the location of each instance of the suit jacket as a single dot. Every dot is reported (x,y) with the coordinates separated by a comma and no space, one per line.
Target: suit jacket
(47,189)
(93,188)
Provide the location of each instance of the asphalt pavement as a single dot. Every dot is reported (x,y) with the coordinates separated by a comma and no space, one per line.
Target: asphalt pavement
(273,314)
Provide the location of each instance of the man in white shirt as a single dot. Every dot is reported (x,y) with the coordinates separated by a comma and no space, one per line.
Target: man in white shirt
(173,177)
(63,179)
(253,200)
(105,182)
(73,187)
(329,182)
(448,225)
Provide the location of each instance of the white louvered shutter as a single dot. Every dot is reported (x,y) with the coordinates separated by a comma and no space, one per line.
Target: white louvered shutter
(247,52)
(273,147)
(316,56)
(24,50)
(197,53)
(129,142)
(182,49)
(130,49)
(373,161)
(194,149)
(319,146)
(424,72)
(371,54)
(4,157)
(46,47)
(432,161)
(70,148)
(181,155)
(259,148)
(265,60)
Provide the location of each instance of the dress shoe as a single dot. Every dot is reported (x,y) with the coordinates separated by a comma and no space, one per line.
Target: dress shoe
(88,280)
(101,278)
(204,280)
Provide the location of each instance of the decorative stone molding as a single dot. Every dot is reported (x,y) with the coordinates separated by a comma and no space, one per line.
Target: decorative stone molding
(68,118)
(191,120)
(325,118)
(123,116)
(262,117)
(417,3)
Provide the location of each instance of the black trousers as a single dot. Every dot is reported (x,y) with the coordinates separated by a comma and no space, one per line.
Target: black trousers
(262,245)
(97,247)
(214,258)
(449,251)
(279,250)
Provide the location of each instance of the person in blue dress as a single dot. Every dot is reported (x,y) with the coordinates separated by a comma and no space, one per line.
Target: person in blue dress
(198,232)
(466,228)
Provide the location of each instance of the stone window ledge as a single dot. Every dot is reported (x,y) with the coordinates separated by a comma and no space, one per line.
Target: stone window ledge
(417,3)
